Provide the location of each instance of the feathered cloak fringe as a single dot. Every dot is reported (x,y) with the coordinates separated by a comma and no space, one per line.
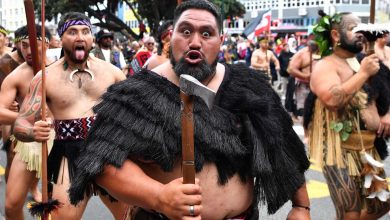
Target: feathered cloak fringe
(247,132)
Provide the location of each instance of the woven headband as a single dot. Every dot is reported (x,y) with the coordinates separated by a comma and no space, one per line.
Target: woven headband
(61,30)
(18,39)
(4,31)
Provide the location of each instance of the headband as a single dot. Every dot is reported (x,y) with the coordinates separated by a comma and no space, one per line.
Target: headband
(322,33)
(24,37)
(4,31)
(61,30)
(264,41)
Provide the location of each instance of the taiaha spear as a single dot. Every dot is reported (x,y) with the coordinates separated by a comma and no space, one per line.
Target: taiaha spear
(372,12)
(32,34)
(43,209)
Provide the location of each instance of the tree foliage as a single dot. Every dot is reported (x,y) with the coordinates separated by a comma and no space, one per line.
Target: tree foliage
(152,11)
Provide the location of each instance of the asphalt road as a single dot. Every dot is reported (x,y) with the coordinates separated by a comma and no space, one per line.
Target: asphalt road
(321,206)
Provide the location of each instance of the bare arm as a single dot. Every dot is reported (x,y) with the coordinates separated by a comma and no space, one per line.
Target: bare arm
(295,65)
(384,126)
(8,94)
(331,90)
(30,111)
(301,205)
(275,60)
(172,199)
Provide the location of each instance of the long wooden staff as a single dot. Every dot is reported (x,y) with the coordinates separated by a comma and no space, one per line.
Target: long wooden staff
(45,197)
(43,209)
(372,12)
(32,34)
(371,47)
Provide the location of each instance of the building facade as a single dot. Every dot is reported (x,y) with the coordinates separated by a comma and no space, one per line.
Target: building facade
(12,14)
(300,15)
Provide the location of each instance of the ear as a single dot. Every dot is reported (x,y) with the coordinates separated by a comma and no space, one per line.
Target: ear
(170,32)
(335,35)
(222,39)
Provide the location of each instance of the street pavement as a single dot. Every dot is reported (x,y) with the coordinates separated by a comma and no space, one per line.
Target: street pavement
(321,205)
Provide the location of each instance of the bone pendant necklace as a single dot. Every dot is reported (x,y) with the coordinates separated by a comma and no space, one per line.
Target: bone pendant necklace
(74,72)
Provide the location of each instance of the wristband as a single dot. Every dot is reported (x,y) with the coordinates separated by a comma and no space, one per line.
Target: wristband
(301,206)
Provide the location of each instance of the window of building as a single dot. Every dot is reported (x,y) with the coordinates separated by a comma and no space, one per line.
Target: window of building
(346,1)
(337,1)
(16,12)
(365,1)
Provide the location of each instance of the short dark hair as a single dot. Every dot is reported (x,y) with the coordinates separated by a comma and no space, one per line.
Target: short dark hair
(38,29)
(160,32)
(72,16)
(198,4)
(20,32)
(23,31)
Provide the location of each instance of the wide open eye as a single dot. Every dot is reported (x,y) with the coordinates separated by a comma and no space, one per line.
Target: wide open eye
(206,34)
(186,32)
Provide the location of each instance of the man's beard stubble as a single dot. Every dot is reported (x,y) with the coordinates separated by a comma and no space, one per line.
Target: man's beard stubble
(20,54)
(201,71)
(349,46)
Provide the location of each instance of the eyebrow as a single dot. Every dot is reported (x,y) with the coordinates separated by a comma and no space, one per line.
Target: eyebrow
(82,29)
(184,23)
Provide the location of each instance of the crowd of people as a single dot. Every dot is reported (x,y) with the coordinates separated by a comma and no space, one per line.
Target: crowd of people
(113,122)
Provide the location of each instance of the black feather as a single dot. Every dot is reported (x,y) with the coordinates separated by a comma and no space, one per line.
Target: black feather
(38,209)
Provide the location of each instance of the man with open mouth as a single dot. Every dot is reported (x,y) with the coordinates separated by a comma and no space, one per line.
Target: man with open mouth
(74,85)
(246,151)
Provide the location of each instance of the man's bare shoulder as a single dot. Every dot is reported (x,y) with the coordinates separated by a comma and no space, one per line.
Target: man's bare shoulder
(325,65)
(256,52)
(21,72)
(99,66)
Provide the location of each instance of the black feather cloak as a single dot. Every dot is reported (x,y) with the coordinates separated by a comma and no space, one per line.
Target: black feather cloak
(247,133)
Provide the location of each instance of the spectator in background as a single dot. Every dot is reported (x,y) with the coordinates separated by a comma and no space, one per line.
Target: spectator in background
(284,59)
(130,50)
(163,40)
(292,43)
(303,43)
(142,55)
(104,49)
(55,42)
(249,50)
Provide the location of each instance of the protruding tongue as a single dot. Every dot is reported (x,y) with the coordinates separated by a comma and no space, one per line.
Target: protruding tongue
(80,54)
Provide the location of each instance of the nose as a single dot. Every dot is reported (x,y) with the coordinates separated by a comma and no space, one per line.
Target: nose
(195,42)
(79,36)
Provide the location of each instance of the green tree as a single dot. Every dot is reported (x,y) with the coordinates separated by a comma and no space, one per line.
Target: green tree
(153,11)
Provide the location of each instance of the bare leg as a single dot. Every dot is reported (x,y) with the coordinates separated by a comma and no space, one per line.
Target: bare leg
(19,181)
(375,209)
(67,210)
(10,157)
(34,190)
(343,192)
(351,215)
(118,209)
